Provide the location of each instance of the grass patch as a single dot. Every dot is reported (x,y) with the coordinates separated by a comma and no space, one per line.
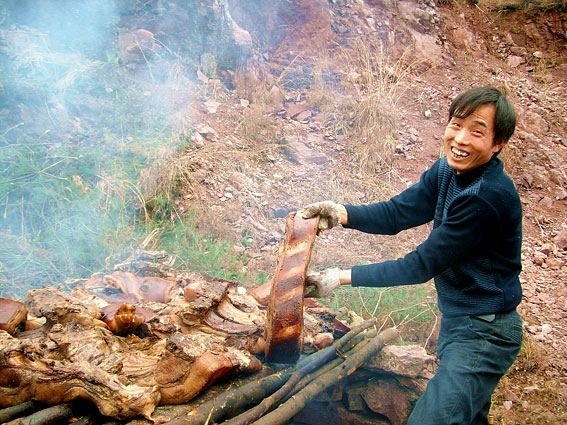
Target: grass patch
(412,309)
(198,250)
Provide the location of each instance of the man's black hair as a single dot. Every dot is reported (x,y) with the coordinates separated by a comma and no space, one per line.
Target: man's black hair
(505,117)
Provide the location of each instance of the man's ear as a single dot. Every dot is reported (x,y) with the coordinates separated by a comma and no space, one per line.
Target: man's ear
(497,147)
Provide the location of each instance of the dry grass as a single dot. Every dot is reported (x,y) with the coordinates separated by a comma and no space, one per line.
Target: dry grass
(169,169)
(322,93)
(508,5)
(256,126)
(532,353)
(377,85)
(254,120)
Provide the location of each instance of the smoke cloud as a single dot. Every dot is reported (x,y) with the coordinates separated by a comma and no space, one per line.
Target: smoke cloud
(88,94)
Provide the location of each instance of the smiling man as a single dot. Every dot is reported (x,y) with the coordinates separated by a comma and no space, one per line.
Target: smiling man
(472,253)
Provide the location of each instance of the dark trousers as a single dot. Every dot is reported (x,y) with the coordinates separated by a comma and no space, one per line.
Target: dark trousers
(474,354)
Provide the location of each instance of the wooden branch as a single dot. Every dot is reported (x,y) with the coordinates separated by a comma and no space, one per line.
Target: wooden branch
(230,400)
(9,413)
(59,413)
(355,346)
(317,361)
(281,414)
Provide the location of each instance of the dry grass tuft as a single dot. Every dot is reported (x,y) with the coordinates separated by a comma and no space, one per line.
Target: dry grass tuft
(377,85)
(255,122)
(164,175)
(256,126)
(531,354)
(510,5)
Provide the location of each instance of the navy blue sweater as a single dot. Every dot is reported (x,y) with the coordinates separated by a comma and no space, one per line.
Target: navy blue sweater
(473,251)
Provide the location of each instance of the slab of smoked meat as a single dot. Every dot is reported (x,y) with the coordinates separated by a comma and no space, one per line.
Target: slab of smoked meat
(12,313)
(285,312)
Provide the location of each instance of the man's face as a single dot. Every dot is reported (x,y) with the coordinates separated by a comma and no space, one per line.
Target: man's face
(469,142)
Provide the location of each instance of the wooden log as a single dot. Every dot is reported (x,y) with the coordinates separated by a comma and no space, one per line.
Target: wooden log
(357,344)
(287,410)
(229,401)
(285,312)
(9,413)
(51,415)
(304,368)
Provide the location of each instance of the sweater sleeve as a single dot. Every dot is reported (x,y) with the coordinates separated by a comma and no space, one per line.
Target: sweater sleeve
(470,222)
(413,207)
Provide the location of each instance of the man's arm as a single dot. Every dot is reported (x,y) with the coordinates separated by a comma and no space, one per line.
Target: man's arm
(470,223)
(411,208)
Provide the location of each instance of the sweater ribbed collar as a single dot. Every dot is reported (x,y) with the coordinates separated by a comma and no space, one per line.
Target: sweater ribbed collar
(467,178)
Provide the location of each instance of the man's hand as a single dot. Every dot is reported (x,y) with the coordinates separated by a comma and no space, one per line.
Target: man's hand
(318,285)
(329,214)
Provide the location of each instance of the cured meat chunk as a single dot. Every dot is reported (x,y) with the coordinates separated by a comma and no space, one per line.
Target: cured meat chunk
(12,313)
(285,311)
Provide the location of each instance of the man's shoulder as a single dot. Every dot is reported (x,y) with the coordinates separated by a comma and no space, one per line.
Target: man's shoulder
(498,188)
(496,178)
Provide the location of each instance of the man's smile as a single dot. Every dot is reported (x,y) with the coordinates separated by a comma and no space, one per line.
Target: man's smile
(459,153)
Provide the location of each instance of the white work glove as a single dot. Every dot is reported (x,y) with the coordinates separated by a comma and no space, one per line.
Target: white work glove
(329,214)
(318,285)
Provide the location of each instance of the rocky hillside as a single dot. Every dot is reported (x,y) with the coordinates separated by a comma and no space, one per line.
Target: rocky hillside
(450,47)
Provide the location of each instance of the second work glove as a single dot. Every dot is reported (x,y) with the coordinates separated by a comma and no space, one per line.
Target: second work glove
(318,285)
(329,214)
